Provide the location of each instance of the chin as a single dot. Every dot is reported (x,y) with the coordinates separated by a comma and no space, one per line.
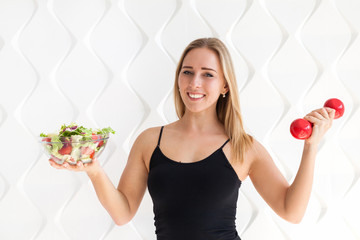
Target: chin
(199,109)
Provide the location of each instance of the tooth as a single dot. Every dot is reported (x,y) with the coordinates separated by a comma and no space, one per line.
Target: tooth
(196,95)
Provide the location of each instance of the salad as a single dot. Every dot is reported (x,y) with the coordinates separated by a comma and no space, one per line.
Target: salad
(75,143)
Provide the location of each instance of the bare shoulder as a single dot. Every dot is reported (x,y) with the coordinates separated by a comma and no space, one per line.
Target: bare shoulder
(148,134)
(243,168)
(256,149)
(257,155)
(253,152)
(146,142)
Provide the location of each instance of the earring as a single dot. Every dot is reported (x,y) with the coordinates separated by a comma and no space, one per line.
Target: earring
(224,95)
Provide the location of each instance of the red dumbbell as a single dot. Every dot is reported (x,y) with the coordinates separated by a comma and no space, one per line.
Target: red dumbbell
(302,129)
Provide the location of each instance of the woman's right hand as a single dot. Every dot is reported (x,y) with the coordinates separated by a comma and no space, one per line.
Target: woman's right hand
(89,168)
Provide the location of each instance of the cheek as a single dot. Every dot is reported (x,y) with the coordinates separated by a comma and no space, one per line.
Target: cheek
(214,85)
(181,82)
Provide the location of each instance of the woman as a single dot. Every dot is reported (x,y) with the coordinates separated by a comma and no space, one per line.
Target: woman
(194,167)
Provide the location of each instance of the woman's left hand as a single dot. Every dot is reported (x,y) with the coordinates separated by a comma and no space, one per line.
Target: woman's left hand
(322,120)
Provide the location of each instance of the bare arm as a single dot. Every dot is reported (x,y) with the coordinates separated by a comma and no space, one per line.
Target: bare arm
(298,194)
(122,202)
(114,201)
(290,201)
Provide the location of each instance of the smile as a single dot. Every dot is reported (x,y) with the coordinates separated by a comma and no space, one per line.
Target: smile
(195,96)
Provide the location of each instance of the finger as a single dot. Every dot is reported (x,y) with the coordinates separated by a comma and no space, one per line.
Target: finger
(312,119)
(325,113)
(313,116)
(92,162)
(80,165)
(319,115)
(71,167)
(66,165)
(89,164)
(55,165)
(84,165)
(331,112)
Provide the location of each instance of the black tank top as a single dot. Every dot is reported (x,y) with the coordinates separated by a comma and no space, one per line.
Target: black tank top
(193,201)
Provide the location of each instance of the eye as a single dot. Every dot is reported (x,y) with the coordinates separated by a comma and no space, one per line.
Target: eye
(208,75)
(186,72)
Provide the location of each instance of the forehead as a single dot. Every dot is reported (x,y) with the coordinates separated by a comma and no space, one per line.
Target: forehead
(202,57)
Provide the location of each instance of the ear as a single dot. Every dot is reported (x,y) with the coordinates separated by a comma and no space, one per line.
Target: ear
(225,88)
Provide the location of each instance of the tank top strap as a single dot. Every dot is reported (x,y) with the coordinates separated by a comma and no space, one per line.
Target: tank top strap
(162,127)
(225,143)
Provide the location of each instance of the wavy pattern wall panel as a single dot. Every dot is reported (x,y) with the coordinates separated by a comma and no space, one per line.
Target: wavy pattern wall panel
(112,62)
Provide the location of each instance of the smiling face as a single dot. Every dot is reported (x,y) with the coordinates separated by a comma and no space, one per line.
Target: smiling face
(201,80)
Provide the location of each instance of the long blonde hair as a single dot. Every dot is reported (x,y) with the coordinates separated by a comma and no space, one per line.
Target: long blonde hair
(228,108)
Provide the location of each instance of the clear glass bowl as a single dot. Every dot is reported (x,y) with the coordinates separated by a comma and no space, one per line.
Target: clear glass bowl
(73,149)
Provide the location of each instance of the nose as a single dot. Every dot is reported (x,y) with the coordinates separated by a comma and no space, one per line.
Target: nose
(195,81)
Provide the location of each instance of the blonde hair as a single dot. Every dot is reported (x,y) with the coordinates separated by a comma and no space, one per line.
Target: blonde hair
(228,108)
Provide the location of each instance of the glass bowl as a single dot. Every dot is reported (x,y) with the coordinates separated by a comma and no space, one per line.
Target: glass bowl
(74,148)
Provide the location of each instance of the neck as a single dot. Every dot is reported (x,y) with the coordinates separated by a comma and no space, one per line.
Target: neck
(200,122)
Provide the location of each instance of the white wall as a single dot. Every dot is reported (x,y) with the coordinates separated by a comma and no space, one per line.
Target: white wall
(111,63)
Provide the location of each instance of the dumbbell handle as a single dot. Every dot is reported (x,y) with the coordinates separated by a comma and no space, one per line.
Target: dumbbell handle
(302,129)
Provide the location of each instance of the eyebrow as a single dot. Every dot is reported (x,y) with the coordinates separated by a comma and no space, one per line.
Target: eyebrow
(203,68)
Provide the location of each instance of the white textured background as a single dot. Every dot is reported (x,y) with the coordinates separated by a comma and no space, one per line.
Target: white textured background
(112,62)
